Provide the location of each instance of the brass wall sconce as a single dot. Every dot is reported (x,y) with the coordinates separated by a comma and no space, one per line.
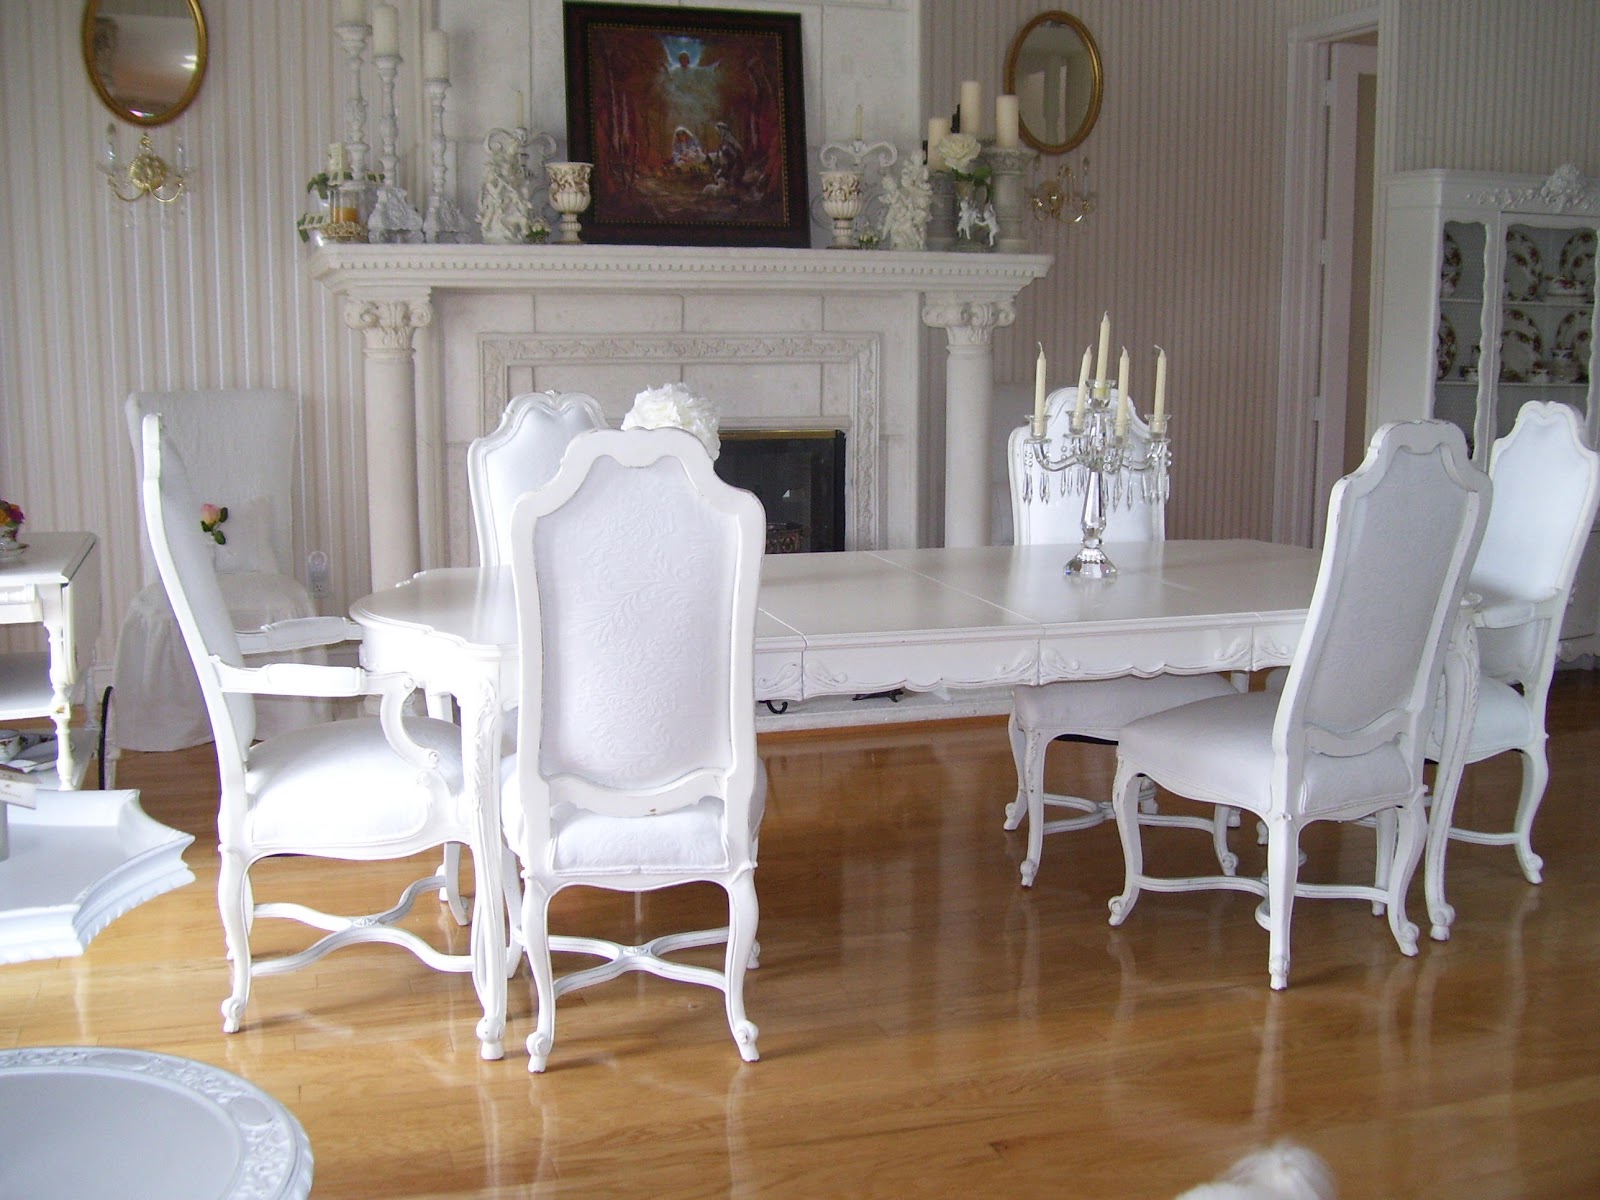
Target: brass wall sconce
(146,173)
(1064,196)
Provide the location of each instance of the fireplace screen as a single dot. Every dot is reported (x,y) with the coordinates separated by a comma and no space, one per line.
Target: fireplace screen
(798,475)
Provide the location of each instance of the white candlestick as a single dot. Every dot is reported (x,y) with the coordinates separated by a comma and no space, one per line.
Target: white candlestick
(1083,389)
(1122,390)
(1007,133)
(938,130)
(1105,349)
(385,29)
(352,12)
(1038,394)
(971,107)
(1159,417)
(435,55)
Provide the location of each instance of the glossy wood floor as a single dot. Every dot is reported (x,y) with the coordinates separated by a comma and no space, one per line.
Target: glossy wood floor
(928,1028)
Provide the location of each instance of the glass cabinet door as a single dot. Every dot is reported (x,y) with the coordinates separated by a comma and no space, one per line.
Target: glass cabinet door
(1459,339)
(1546,319)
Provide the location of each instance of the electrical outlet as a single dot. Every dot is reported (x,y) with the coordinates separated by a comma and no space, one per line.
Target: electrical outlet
(317,572)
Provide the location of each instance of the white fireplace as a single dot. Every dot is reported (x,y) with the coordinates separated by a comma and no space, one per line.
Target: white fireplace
(777,339)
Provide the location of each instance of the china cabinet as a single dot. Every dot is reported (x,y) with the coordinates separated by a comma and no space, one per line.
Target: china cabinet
(1488,304)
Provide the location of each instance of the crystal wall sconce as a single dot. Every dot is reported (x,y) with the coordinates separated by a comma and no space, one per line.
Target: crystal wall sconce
(146,173)
(1063,197)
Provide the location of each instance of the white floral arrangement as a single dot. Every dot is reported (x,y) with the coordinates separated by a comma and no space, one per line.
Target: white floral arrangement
(960,153)
(673,406)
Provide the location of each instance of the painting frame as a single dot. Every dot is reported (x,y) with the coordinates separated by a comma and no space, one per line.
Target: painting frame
(686,151)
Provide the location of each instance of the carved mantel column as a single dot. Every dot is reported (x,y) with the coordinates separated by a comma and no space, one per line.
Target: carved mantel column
(386,323)
(969,324)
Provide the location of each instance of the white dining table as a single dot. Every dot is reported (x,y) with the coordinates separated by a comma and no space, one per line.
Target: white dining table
(865,621)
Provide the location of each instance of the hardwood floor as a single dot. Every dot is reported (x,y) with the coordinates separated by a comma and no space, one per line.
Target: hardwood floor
(928,1027)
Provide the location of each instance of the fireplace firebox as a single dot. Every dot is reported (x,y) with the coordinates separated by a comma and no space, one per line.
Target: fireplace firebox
(798,475)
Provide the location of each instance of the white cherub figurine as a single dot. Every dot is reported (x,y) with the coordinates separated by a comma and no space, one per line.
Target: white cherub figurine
(907,204)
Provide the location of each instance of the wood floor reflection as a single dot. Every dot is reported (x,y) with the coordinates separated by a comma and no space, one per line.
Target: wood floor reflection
(928,1027)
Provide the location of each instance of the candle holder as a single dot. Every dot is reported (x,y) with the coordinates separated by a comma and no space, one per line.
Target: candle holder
(1098,456)
(569,196)
(353,37)
(393,218)
(443,222)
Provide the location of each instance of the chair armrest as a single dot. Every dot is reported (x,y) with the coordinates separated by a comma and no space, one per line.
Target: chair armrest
(295,679)
(1500,611)
(298,633)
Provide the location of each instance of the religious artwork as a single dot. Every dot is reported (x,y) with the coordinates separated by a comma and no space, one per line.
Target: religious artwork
(694,120)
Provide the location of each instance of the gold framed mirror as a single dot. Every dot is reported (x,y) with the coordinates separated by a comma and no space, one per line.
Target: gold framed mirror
(146,58)
(1053,68)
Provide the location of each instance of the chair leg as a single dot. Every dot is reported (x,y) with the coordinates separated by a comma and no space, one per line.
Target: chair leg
(233,903)
(1125,806)
(1413,823)
(536,936)
(450,893)
(743,914)
(1283,874)
(1535,777)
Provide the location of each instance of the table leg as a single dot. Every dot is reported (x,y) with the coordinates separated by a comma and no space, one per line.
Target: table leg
(480,748)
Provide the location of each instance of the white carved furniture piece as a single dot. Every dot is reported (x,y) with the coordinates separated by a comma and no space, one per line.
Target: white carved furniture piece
(1346,738)
(1546,486)
(56,584)
(1489,304)
(364,789)
(242,444)
(636,574)
(520,454)
(1045,510)
(108,1123)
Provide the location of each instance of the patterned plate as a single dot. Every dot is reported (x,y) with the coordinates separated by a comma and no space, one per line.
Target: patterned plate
(1524,268)
(1574,337)
(1575,271)
(1450,266)
(1520,347)
(1444,347)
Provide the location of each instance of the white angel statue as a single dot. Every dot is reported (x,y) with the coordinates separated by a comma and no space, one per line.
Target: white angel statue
(907,203)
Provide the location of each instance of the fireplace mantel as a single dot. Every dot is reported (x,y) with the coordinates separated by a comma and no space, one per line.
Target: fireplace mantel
(858,308)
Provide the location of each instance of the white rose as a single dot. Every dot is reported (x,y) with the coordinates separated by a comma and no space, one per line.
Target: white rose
(959,150)
(673,406)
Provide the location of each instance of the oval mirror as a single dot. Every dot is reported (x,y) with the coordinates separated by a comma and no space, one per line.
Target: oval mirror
(1053,69)
(146,58)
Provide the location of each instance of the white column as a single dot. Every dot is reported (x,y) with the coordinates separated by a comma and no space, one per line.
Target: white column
(969,325)
(386,324)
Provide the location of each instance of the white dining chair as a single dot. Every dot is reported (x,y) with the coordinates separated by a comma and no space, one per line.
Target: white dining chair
(521,453)
(1346,738)
(1546,487)
(368,788)
(1044,511)
(636,572)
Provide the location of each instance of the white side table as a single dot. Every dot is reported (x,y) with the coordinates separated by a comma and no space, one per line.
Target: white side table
(56,583)
(99,1123)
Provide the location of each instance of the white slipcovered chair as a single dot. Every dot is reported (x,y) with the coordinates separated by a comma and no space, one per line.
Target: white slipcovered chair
(636,573)
(520,454)
(241,447)
(369,788)
(1043,511)
(1346,738)
(1546,486)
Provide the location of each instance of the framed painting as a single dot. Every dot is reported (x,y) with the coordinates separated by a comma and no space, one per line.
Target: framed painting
(694,119)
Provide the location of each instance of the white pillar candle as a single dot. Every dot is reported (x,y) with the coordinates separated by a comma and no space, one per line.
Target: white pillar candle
(858,122)
(521,114)
(1122,396)
(1083,389)
(1105,349)
(1038,394)
(938,130)
(435,55)
(352,12)
(1159,417)
(385,29)
(1006,132)
(971,107)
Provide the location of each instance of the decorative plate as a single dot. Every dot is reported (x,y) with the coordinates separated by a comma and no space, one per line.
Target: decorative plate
(1444,347)
(1520,347)
(1524,268)
(12,553)
(1450,267)
(1574,337)
(1575,270)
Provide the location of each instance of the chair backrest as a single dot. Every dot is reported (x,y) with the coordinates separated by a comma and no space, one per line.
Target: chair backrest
(1402,532)
(636,575)
(240,450)
(1043,509)
(518,455)
(185,562)
(1546,485)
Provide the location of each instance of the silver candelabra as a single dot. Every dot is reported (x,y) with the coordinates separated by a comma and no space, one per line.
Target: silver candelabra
(1099,456)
